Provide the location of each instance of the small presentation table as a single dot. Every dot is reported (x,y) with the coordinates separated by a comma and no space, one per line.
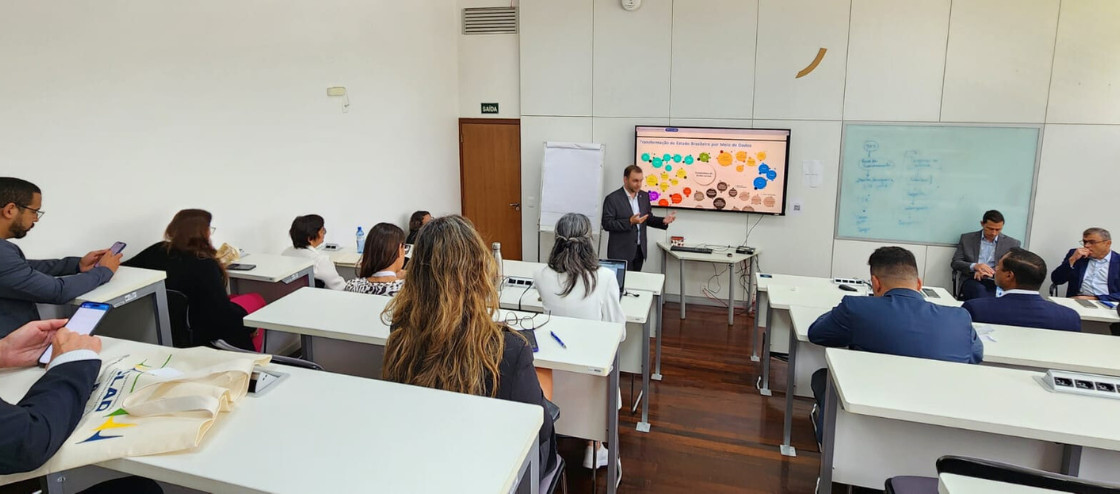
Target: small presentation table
(887,415)
(322,432)
(131,284)
(726,256)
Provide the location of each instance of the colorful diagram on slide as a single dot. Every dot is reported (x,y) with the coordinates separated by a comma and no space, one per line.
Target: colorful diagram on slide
(713,174)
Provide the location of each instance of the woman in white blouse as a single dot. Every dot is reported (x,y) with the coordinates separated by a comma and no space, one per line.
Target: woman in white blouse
(308,233)
(574,285)
(381,268)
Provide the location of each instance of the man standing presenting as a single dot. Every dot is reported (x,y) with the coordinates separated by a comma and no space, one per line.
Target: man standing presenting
(977,254)
(626,213)
(24,283)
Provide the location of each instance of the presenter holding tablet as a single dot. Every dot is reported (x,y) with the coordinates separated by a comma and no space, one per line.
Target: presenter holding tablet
(626,213)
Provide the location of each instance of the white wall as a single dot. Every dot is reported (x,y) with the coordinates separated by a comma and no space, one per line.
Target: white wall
(591,71)
(488,68)
(124,112)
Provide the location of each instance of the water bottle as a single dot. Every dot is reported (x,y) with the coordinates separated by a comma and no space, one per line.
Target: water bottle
(361,237)
(496,249)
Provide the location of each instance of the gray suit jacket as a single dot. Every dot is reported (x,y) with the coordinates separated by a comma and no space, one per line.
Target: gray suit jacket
(968,250)
(616,219)
(24,283)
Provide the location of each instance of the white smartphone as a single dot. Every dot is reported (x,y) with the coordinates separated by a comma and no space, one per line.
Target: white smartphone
(84,321)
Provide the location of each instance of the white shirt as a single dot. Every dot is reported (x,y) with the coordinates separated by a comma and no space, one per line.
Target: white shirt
(1095,281)
(635,209)
(987,252)
(601,305)
(324,268)
(1020,291)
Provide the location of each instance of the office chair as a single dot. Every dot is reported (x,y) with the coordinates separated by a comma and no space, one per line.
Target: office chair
(998,472)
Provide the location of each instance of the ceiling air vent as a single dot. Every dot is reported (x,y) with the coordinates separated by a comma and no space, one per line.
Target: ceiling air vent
(490,20)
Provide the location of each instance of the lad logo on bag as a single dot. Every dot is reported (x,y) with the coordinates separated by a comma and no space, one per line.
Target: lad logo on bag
(108,400)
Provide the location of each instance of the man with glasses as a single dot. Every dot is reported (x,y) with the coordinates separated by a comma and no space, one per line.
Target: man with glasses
(1092,270)
(24,283)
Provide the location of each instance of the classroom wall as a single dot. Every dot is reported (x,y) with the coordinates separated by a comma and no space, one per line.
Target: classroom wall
(591,71)
(488,68)
(124,112)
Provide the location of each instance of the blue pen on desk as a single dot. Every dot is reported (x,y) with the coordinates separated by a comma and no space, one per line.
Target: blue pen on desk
(558,340)
(1108,304)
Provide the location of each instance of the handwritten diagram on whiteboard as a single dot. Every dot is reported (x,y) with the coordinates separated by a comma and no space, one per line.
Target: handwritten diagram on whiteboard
(931,183)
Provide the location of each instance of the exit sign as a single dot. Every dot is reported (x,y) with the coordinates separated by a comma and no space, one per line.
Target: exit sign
(489,108)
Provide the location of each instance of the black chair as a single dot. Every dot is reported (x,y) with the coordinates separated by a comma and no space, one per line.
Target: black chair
(556,478)
(182,336)
(998,472)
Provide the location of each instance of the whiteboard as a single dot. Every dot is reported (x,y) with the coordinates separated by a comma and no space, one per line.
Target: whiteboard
(930,183)
(571,182)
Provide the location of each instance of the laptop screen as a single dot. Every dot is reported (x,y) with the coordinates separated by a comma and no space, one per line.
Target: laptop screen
(619,268)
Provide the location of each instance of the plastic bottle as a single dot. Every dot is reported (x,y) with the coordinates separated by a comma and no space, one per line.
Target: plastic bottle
(361,237)
(496,249)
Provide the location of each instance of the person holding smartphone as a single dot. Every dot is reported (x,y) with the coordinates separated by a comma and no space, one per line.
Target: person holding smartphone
(23,282)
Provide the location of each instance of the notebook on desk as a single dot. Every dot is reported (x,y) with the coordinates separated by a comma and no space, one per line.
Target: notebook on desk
(619,268)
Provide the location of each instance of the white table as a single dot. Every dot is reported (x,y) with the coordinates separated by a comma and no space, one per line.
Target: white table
(1007,346)
(958,484)
(344,330)
(762,282)
(322,432)
(636,305)
(129,284)
(885,415)
(1098,313)
(346,260)
(726,256)
(273,269)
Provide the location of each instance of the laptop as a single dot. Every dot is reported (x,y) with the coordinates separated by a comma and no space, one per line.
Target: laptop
(619,268)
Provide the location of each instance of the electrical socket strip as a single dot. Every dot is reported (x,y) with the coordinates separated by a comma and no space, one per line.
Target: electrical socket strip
(847,281)
(518,282)
(1079,383)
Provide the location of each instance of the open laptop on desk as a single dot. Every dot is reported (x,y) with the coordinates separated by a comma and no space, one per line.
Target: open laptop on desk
(619,268)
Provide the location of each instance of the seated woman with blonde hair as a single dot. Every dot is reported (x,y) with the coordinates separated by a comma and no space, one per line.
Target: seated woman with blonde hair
(443,329)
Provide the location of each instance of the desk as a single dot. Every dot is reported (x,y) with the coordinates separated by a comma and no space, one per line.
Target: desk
(273,277)
(130,284)
(344,332)
(885,415)
(636,305)
(1013,346)
(346,262)
(1099,313)
(958,484)
(728,257)
(413,439)
(762,282)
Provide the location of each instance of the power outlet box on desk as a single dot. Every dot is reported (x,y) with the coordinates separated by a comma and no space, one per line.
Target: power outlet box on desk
(518,282)
(743,249)
(1079,383)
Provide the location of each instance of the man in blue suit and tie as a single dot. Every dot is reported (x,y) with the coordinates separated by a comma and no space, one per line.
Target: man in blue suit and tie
(897,320)
(1092,270)
(1020,274)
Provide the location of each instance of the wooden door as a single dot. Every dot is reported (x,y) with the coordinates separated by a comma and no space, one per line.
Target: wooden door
(490,171)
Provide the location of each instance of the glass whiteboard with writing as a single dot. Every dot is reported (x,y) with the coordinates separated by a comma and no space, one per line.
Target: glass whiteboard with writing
(930,183)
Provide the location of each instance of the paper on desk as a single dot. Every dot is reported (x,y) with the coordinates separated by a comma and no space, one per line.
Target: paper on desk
(984,330)
(813,172)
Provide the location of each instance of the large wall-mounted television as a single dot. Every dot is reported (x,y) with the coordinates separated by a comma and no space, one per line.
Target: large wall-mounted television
(714,169)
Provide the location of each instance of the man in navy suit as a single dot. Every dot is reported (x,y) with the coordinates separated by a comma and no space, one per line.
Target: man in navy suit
(897,321)
(626,213)
(1092,270)
(1020,274)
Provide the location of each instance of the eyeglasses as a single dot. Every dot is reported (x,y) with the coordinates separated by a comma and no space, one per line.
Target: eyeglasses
(38,212)
(526,322)
(1090,243)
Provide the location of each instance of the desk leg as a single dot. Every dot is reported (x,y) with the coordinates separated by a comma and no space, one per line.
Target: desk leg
(680,265)
(612,425)
(828,438)
(163,320)
(757,334)
(787,424)
(305,344)
(660,314)
(731,295)
(749,298)
(529,478)
(643,426)
(764,380)
(1071,460)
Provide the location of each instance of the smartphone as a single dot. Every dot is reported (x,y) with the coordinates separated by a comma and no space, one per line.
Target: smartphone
(84,321)
(930,293)
(241,267)
(114,250)
(1087,303)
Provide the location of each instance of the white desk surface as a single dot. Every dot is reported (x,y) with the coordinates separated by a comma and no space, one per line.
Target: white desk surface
(635,305)
(763,282)
(970,397)
(635,280)
(1018,346)
(356,317)
(322,432)
(271,267)
(719,255)
(1099,313)
(345,257)
(124,281)
(958,484)
(783,297)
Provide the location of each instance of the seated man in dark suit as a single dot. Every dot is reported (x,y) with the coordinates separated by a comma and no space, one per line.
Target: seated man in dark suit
(897,320)
(32,430)
(1020,274)
(1092,270)
(976,257)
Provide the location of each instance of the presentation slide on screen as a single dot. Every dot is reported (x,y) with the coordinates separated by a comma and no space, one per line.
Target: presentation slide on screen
(716,169)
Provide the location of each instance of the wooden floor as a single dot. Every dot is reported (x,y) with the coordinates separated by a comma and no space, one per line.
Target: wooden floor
(711,432)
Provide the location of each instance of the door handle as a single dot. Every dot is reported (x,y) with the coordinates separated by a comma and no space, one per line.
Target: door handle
(515,205)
